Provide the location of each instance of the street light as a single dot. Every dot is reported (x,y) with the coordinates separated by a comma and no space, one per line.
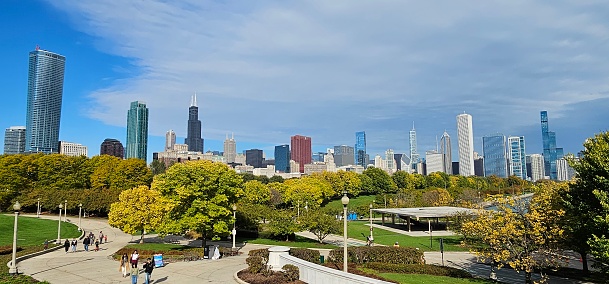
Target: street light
(38,209)
(371,237)
(65,211)
(13,269)
(234,222)
(345,202)
(79,213)
(59,225)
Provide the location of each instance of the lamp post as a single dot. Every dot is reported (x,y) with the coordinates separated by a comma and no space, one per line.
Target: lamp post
(65,211)
(234,222)
(345,202)
(38,209)
(371,237)
(79,213)
(13,269)
(59,226)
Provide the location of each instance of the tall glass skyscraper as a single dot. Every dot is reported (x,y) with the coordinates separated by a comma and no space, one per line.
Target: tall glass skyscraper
(282,158)
(414,155)
(137,131)
(14,140)
(44,96)
(361,158)
(517,157)
(495,162)
(550,153)
(465,139)
(193,137)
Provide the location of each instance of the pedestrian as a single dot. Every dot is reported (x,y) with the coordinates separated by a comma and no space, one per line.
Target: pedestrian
(66,245)
(124,264)
(101,237)
(96,245)
(106,238)
(134,257)
(396,245)
(86,243)
(148,267)
(74,243)
(134,273)
(46,244)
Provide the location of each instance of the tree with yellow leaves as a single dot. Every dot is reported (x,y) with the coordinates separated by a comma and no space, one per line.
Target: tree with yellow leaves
(522,234)
(138,209)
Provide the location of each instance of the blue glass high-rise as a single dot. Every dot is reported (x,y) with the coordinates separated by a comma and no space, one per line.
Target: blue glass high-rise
(44,97)
(517,157)
(282,158)
(360,149)
(137,131)
(550,153)
(495,162)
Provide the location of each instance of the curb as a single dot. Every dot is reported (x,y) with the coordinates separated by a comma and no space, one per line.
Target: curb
(35,254)
(238,279)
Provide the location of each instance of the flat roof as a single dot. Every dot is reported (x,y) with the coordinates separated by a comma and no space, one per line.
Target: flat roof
(425,212)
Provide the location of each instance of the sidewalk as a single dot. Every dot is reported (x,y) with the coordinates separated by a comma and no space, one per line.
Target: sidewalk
(98,267)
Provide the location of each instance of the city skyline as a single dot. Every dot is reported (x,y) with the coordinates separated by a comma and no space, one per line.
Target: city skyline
(503,66)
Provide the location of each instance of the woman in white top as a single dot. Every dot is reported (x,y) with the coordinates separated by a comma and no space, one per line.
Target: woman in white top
(135,257)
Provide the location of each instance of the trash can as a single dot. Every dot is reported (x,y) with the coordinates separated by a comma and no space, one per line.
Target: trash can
(321,259)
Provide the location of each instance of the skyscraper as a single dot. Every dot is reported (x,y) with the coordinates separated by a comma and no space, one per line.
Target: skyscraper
(253,157)
(414,156)
(282,158)
(495,161)
(537,170)
(230,149)
(170,140)
(446,151)
(360,149)
(465,139)
(72,149)
(343,155)
(389,161)
(550,153)
(137,131)
(193,137)
(14,140)
(112,147)
(434,161)
(517,157)
(300,150)
(44,96)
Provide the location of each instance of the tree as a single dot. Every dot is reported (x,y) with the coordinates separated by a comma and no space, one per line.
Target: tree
(380,181)
(311,189)
(320,224)
(342,181)
(131,173)
(581,203)
(157,167)
(599,245)
(524,234)
(138,209)
(256,192)
(202,194)
(403,180)
(103,167)
(436,197)
(283,224)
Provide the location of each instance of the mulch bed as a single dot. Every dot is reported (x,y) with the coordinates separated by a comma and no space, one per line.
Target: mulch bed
(275,278)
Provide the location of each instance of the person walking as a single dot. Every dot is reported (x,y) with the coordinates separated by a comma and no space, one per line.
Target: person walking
(134,258)
(86,243)
(134,273)
(148,267)
(101,237)
(74,244)
(66,245)
(96,245)
(46,244)
(124,264)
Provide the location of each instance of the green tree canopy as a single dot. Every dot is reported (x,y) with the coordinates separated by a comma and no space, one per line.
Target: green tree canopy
(380,181)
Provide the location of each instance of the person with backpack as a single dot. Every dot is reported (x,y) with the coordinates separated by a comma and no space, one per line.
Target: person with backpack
(148,267)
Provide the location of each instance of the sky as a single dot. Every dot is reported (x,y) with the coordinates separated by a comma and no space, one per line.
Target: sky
(267,70)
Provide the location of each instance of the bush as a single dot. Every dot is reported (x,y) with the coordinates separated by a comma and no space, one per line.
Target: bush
(291,272)
(263,253)
(255,264)
(305,254)
(419,269)
(382,254)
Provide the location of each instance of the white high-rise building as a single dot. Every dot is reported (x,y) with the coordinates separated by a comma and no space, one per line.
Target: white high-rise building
(434,161)
(465,137)
(414,155)
(378,162)
(170,140)
(389,161)
(72,149)
(537,168)
(446,151)
(516,157)
(564,171)
(230,149)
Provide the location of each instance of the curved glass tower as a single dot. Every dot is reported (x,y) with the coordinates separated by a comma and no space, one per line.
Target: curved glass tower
(44,96)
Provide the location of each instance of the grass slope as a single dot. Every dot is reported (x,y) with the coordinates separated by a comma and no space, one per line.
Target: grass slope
(33,231)
(429,279)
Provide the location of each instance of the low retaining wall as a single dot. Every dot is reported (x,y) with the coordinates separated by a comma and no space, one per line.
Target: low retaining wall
(35,254)
(315,273)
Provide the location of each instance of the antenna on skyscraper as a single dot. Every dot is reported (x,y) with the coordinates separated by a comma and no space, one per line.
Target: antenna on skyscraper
(437,147)
(193,101)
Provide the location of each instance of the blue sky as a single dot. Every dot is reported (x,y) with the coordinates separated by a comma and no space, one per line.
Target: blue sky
(266,70)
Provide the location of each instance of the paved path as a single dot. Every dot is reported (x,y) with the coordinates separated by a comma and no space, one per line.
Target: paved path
(98,267)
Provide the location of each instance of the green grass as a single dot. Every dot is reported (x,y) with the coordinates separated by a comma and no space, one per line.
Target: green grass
(299,242)
(33,231)
(428,279)
(357,228)
(363,200)
(157,247)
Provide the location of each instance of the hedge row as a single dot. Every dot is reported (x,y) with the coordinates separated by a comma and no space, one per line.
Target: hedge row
(263,253)
(392,255)
(149,253)
(306,254)
(419,269)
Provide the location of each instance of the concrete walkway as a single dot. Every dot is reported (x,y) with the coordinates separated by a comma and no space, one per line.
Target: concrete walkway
(98,267)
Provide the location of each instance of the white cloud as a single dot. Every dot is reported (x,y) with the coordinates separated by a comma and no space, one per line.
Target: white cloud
(271,69)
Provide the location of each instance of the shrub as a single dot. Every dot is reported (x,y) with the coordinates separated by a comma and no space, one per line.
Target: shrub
(255,264)
(305,254)
(291,272)
(419,269)
(393,255)
(263,253)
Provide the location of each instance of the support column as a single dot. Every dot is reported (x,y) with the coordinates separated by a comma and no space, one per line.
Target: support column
(408,219)
(383,220)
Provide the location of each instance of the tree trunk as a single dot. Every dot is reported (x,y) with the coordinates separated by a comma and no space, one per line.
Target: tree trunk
(584,259)
(142,237)
(527,278)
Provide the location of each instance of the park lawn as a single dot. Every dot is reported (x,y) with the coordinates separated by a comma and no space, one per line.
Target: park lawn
(157,247)
(33,231)
(429,279)
(299,242)
(360,229)
(363,200)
